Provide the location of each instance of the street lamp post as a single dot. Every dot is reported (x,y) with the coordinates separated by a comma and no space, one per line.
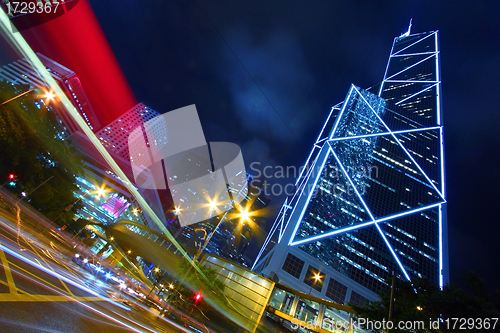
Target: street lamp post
(15,97)
(316,278)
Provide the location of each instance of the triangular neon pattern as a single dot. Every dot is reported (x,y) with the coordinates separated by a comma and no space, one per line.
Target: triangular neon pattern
(399,133)
(415,239)
(377,166)
(359,156)
(357,117)
(355,153)
(424,146)
(334,203)
(403,62)
(356,253)
(283,218)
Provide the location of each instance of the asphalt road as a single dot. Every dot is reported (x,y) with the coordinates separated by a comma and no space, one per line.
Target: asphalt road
(43,290)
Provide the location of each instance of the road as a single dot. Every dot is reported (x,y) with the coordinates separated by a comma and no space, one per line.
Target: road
(43,290)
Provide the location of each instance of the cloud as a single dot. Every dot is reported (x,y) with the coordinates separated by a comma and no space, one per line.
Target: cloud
(277,65)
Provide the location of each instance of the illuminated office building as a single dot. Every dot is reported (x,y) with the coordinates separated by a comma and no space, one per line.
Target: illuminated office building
(115,135)
(371,199)
(22,72)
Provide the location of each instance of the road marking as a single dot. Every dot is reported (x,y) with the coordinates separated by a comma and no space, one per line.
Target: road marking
(45,298)
(18,290)
(8,273)
(37,277)
(36,252)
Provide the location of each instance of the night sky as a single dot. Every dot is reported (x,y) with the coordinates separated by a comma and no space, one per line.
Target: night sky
(264,75)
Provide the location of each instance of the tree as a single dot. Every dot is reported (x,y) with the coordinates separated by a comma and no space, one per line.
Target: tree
(423,301)
(195,283)
(35,152)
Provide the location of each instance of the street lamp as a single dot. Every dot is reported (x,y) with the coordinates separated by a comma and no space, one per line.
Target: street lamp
(213,204)
(49,95)
(317,277)
(245,215)
(100,191)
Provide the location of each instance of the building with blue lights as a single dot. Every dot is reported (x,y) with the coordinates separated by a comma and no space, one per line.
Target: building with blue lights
(371,199)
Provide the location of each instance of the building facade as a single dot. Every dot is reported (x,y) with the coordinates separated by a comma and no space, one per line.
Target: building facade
(115,136)
(102,193)
(371,199)
(22,72)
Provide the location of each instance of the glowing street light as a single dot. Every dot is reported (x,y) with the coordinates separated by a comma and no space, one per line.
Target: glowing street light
(101,191)
(129,251)
(245,215)
(111,238)
(317,277)
(171,286)
(49,95)
(157,269)
(213,205)
(135,211)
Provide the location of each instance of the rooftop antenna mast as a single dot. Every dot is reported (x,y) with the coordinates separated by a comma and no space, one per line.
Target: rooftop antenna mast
(406,34)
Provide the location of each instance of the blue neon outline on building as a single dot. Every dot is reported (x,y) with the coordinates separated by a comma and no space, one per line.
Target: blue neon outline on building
(413,65)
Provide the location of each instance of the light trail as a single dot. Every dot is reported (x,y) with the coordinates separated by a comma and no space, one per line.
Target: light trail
(58,276)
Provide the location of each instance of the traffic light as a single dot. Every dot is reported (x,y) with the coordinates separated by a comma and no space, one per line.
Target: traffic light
(12,179)
(198,297)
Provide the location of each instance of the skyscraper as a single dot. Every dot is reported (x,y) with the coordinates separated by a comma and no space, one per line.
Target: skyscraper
(22,71)
(371,198)
(115,136)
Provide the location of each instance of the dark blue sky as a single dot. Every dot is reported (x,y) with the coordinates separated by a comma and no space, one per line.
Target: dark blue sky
(304,56)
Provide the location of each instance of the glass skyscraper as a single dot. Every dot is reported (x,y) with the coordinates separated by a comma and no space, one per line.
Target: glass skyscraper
(371,198)
(22,72)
